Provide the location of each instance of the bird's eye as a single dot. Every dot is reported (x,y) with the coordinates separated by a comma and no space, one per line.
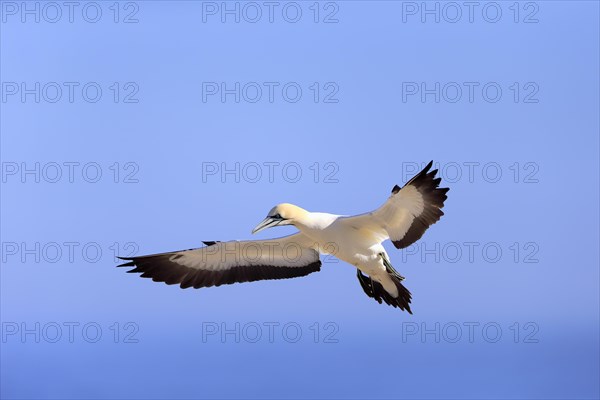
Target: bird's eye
(277,216)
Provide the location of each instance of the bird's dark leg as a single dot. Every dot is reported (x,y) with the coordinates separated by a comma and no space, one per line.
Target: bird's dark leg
(389,268)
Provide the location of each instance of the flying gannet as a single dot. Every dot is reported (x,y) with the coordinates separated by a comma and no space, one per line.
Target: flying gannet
(357,240)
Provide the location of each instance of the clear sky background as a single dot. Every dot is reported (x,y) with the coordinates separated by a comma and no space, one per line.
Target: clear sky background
(503,96)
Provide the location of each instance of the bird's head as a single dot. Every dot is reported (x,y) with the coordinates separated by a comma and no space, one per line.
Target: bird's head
(281,214)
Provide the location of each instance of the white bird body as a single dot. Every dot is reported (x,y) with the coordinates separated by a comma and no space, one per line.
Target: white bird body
(345,238)
(357,240)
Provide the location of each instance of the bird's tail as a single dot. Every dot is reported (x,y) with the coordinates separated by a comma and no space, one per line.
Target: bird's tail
(375,289)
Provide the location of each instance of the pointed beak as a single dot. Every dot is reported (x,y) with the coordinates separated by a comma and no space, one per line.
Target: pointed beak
(266,223)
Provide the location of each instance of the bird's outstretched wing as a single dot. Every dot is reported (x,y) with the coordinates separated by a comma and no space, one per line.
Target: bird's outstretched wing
(407,213)
(221,263)
(410,210)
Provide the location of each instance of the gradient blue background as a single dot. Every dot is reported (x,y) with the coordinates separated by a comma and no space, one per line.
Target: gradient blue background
(369,134)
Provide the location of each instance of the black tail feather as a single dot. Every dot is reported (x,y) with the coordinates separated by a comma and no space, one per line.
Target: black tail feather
(375,290)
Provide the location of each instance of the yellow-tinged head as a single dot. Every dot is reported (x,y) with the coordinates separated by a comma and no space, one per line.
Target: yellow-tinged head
(282,214)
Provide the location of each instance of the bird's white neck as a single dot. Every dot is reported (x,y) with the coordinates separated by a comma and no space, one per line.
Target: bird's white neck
(311,221)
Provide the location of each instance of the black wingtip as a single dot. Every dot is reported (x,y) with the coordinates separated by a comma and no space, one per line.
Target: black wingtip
(425,170)
(128,264)
(422,174)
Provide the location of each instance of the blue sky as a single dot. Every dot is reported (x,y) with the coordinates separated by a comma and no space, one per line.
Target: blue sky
(142,127)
